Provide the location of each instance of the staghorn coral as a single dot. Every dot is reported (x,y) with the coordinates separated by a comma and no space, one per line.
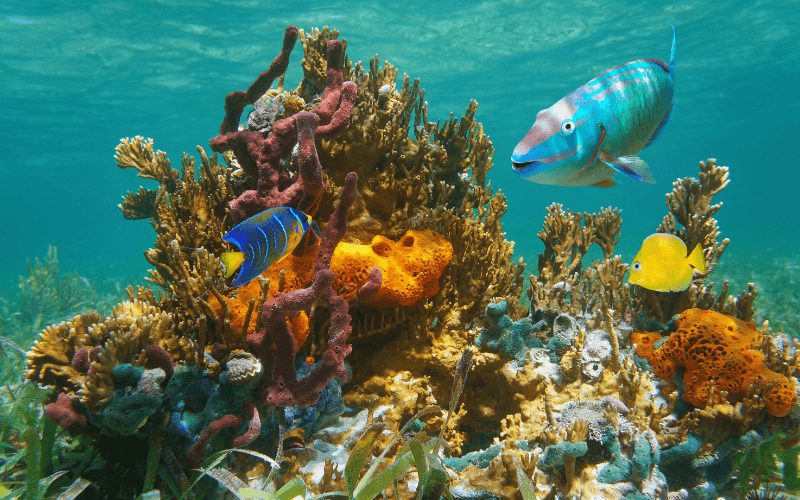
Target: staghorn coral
(563,285)
(714,347)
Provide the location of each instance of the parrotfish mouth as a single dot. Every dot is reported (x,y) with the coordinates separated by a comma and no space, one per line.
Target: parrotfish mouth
(525,167)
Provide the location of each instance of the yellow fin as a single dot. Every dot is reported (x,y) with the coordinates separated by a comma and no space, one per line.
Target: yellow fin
(231,261)
(696,259)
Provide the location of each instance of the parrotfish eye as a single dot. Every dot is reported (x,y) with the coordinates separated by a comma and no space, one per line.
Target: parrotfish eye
(567,127)
(637,266)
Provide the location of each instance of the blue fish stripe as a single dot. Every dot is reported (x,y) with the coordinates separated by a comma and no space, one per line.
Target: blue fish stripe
(260,257)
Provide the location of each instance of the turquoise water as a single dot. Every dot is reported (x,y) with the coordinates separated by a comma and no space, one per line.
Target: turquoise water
(75,79)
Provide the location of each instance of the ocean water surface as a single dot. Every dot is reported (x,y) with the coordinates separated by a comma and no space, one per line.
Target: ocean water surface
(75,78)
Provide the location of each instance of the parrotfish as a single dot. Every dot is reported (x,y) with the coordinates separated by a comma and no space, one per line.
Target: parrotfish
(662,264)
(597,130)
(263,240)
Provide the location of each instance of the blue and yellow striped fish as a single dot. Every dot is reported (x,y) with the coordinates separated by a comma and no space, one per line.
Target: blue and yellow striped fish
(263,240)
(598,129)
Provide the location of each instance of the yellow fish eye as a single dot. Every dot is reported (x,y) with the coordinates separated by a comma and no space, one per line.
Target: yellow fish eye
(637,266)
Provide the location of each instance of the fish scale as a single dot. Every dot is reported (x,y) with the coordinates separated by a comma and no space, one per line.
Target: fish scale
(596,131)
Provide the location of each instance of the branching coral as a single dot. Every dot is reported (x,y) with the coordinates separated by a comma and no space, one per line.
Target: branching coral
(690,205)
(188,215)
(563,285)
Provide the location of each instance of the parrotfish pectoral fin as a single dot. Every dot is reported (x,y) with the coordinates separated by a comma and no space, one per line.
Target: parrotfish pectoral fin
(632,166)
(696,259)
(605,183)
(594,155)
(232,261)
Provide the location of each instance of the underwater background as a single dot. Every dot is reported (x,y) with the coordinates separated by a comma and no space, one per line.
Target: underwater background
(78,77)
(584,384)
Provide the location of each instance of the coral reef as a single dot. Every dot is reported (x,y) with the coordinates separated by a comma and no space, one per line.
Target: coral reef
(598,390)
(690,205)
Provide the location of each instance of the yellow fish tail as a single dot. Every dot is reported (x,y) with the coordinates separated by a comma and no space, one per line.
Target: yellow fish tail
(231,261)
(696,259)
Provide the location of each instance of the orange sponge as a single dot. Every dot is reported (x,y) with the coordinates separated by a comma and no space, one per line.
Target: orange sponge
(713,346)
(411,268)
(644,343)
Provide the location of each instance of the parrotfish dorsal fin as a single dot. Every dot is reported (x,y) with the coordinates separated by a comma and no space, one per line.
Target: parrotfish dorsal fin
(671,67)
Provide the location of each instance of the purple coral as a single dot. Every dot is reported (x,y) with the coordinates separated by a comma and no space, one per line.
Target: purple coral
(68,413)
(280,386)
(260,153)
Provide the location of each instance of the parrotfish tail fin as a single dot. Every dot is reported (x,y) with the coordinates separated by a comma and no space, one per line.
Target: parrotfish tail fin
(232,261)
(696,259)
(632,166)
(671,67)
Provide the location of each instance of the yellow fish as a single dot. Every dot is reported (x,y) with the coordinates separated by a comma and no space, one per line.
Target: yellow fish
(662,264)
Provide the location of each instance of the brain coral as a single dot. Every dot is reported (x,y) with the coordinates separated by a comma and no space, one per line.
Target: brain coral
(713,346)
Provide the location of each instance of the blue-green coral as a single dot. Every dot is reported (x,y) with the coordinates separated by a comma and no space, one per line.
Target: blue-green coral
(501,333)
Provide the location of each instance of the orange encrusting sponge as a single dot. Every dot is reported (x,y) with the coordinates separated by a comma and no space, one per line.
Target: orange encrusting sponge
(713,346)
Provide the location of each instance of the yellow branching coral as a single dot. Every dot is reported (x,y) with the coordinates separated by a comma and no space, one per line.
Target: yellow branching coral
(563,284)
